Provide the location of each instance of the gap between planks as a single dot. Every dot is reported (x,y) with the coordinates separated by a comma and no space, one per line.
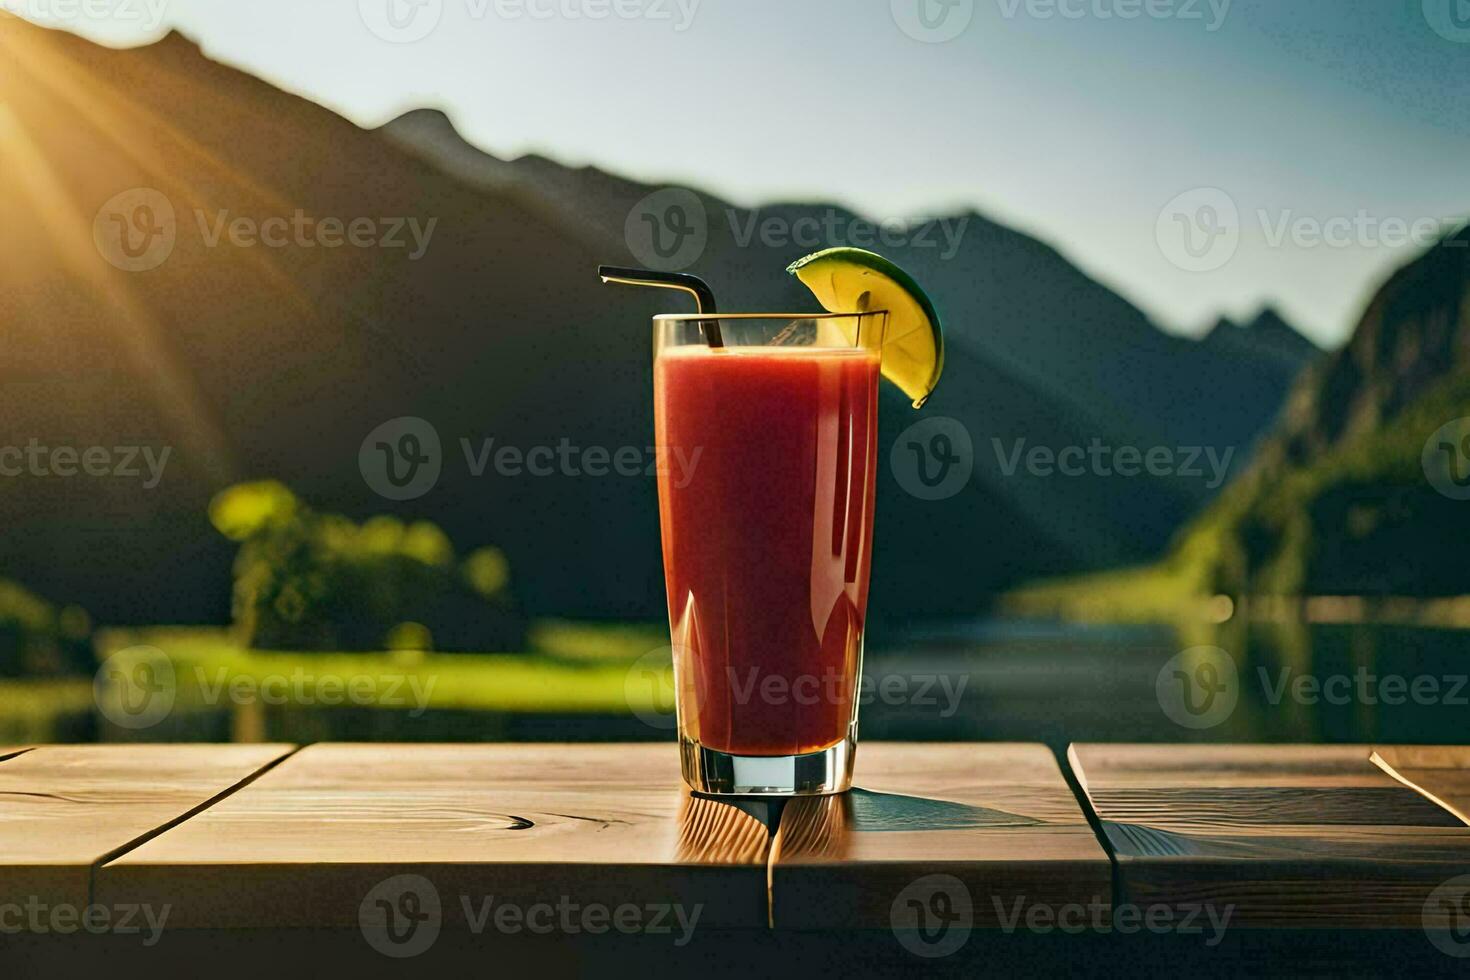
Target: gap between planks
(144,838)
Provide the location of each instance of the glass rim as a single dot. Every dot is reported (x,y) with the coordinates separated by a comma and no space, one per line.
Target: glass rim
(696,317)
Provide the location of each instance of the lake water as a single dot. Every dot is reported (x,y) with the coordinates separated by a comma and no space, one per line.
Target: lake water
(993,680)
(1291,683)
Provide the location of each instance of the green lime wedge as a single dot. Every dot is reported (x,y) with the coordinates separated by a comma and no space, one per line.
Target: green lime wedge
(853,280)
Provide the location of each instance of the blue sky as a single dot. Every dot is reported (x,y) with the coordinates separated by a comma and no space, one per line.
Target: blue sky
(1093,124)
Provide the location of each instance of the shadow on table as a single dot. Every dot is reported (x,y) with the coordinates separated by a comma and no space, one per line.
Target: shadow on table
(736,828)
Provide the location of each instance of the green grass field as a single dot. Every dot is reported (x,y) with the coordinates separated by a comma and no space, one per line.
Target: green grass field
(573,668)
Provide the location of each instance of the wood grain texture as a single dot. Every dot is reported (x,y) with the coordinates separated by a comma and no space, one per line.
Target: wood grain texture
(527,824)
(65,808)
(998,817)
(1288,835)
(1440,773)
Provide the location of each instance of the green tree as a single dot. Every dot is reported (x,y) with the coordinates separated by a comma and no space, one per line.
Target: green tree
(313,581)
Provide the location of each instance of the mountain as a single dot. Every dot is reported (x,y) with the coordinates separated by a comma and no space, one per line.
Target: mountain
(1006,296)
(1360,487)
(1349,494)
(1267,338)
(268,341)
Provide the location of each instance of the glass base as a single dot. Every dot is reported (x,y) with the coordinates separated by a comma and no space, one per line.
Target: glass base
(718,773)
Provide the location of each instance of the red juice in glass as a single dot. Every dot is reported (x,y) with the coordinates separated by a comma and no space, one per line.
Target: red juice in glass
(766,507)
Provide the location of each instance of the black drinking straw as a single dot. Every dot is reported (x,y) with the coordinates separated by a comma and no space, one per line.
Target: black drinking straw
(704,297)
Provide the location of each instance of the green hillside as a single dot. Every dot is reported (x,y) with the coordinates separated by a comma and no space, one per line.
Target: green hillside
(1337,501)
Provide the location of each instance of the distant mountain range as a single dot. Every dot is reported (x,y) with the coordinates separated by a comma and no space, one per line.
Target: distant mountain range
(247,359)
(1360,489)
(1266,338)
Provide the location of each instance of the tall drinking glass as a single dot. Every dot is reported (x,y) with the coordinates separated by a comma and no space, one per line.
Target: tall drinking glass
(767,528)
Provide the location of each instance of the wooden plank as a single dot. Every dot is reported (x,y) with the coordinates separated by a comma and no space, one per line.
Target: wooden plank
(998,818)
(65,808)
(1441,773)
(528,824)
(1289,835)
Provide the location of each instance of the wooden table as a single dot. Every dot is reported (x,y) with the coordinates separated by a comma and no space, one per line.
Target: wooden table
(65,811)
(246,836)
(997,819)
(1287,835)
